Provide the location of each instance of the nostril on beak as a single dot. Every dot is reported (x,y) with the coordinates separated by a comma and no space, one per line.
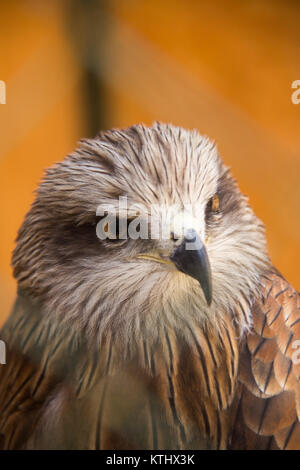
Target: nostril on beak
(173,237)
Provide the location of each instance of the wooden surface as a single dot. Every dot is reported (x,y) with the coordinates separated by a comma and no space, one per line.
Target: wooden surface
(224,67)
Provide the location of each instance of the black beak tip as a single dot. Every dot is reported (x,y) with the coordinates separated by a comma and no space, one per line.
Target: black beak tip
(207,295)
(195,263)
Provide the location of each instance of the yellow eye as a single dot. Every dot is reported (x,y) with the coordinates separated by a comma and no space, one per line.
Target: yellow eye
(215,203)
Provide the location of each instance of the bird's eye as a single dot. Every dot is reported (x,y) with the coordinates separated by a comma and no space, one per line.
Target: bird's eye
(113,230)
(213,205)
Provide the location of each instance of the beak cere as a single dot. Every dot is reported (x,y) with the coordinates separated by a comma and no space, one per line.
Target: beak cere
(191,258)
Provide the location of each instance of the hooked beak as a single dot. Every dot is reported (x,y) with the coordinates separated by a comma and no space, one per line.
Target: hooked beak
(191,258)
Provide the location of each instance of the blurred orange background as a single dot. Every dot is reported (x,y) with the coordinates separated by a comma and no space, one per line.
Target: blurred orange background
(223,67)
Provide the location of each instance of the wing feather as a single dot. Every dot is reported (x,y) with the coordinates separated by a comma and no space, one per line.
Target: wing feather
(269,373)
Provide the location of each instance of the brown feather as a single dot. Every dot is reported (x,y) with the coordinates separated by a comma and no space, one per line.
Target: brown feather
(275,412)
(109,351)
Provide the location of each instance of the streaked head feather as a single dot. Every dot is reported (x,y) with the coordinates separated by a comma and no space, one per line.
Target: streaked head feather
(60,262)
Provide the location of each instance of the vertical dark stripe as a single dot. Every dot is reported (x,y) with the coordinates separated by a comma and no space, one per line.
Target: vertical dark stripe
(206,420)
(210,349)
(101,407)
(232,352)
(170,351)
(19,389)
(202,360)
(276,315)
(288,437)
(43,372)
(173,409)
(268,377)
(288,342)
(92,371)
(221,406)
(265,406)
(263,325)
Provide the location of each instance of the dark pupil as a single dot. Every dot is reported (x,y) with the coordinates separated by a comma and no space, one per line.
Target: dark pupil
(209,208)
(120,227)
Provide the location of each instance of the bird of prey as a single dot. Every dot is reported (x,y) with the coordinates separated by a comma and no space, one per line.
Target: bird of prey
(142,343)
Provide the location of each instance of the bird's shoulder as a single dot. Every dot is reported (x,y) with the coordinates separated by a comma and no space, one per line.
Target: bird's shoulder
(37,358)
(269,377)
